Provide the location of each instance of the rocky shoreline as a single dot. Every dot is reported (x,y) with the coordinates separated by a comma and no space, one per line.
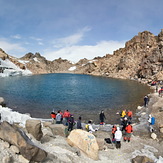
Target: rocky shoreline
(50,139)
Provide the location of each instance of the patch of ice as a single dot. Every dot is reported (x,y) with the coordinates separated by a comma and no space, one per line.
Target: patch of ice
(72,68)
(12,116)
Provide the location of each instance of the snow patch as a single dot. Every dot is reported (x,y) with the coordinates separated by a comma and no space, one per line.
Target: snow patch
(11,69)
(12,116)
(72,68)
(35,59)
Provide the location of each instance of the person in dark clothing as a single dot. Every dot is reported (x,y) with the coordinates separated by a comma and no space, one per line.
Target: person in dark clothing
(146,99)
(79,125)
(71,123)
(102,117)
(124,123)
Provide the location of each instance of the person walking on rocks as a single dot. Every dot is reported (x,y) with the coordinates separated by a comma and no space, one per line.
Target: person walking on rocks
(118,136)
(128,132)
(102,117)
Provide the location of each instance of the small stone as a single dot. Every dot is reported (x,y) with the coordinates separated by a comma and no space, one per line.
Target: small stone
(161,130)
(153,136)
(22,159)
(15,149)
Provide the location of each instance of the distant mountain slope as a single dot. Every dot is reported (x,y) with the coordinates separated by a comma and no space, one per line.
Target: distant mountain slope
(142,57)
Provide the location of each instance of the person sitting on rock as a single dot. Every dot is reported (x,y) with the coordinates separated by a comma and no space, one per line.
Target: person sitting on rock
(90,128)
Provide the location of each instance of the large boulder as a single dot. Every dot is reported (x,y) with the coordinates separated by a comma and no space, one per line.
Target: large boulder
(57,129)
(85,141)
(17,137)
(142,159)
(34,127)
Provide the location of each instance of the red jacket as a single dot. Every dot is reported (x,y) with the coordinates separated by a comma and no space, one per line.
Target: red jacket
(128,129)
(66,114)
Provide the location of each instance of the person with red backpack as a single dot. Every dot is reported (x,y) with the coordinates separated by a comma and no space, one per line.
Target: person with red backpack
(128,131)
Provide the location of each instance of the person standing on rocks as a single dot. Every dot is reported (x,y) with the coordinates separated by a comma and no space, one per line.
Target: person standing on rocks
(71,123)
(146,99)
(129,115)
(114,129)
(66,116)
(79,125)
(102,117)
(58,118)
(118,136)
(128,132)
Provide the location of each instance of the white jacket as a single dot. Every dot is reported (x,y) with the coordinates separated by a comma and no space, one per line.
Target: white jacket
(118,134)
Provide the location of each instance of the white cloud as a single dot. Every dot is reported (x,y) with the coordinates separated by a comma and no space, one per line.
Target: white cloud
(71,40)
(11,48)
(75,53)
(16,36)
(35,38)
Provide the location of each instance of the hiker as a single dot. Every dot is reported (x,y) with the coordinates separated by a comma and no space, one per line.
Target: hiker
(123,113)
(58,118)
(102,117)
(118,136)
(146,99)
(114,129)
(90,128)
(129,115)
(124,123)
(53,116)
(79,125)
(71,122)
(151,121)
(128,132)
(66,116)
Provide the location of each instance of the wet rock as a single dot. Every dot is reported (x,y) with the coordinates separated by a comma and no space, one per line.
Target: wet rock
(34,127)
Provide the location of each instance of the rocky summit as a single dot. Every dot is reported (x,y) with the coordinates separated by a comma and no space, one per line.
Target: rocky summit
(142,57)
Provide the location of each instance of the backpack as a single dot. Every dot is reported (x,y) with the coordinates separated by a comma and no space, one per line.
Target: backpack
(152,120)
(87,127)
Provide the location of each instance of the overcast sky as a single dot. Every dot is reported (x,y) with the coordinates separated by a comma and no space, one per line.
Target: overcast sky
(75,29)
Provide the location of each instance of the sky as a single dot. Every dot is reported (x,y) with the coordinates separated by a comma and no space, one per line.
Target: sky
(75,29)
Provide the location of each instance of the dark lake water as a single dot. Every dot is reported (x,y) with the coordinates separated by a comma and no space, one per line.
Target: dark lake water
(81,94)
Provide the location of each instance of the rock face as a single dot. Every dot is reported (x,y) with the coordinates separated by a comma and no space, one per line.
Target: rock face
(34,127)
(85,141)
(57,129)
(142,57)
(17,137)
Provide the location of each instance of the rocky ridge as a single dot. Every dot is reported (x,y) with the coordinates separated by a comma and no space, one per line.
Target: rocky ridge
(142,57)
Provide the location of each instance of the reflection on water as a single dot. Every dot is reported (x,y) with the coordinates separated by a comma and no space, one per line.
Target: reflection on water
(82,94)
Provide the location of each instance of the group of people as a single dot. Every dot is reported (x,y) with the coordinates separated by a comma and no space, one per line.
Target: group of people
(125,131)
(66,118)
